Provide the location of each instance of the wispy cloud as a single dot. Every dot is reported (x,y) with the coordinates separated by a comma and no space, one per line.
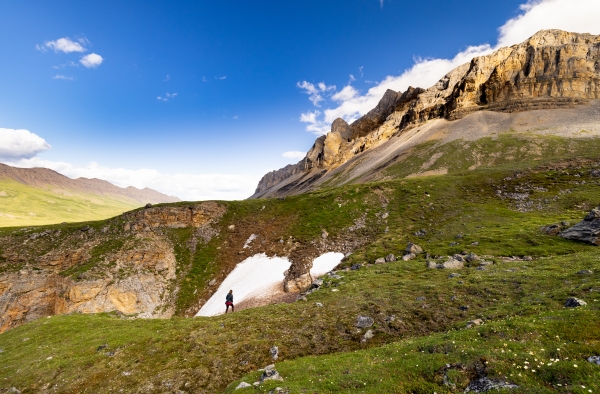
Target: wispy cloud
(64,77)
(65,45)
(167,97)
(92,60)
(20,144)
(381,3)
(168,78)
(536,15)
(315,92)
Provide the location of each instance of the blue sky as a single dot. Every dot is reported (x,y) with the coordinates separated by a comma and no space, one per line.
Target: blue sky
(200,99)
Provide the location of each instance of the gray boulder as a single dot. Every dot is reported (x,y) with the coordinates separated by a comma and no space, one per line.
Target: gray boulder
(410,256)
(243,385)
(274,352)
(364,321)
(472,257)
(380,260)
(584,272)
(588,230)
(483,385)
(574,302)
(413,248)
(270,374)
(594,359)
(390,257)
(451,263)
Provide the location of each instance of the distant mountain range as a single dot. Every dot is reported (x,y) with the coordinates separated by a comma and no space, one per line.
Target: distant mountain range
(548,85)
(43,196)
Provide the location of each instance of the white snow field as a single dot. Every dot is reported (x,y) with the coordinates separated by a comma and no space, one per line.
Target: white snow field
(260,276)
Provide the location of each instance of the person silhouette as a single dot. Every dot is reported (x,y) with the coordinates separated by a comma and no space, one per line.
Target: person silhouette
(229,301)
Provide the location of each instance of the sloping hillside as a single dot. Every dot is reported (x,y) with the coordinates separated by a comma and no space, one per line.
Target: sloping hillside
(36,196)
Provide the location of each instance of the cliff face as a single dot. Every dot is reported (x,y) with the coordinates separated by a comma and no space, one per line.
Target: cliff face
(552,69)
(128,265)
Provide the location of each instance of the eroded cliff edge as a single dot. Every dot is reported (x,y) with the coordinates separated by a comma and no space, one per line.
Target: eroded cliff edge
(552,69)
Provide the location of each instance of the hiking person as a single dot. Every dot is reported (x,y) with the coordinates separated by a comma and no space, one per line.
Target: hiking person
(229,301)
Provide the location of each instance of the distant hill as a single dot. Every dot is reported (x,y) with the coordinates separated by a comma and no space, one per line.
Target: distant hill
(35,196)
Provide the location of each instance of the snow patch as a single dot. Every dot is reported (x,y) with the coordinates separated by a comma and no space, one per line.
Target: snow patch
(255,277)
(251,238)
(325,263)
(261,277)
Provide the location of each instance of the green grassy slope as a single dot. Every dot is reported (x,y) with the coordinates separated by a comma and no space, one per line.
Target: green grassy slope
(22,205)
(520,301)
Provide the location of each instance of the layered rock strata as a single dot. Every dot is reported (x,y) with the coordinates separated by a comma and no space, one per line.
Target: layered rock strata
(552,69)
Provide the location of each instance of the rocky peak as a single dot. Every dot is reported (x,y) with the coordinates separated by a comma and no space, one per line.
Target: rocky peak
(551,69)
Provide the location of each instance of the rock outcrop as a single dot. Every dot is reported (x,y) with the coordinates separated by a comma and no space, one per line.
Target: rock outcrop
(588,230)
(127,266)
(552,69)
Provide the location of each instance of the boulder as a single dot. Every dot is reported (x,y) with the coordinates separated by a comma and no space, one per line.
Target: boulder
(574,303)
(588,230)
(364,321)
(243,385)
(380,260)
(274,352)
(368,335)
(551,229)
(409,256)
(295,285)
(584,272)
(390,257)
(594,359)
(451,263)
(453,275)
(484,385)
(475,322)
(472,257)
(413,248)
(270,374)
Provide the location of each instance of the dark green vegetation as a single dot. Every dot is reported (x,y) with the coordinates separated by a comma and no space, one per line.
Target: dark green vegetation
(520,301)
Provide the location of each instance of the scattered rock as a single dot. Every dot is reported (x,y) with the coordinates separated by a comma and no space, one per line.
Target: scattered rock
(102,347)
(587,230)
(413,248)
(243,385)
(274,352)
(334,290)
(594,359)
(212,282)
(464,307)
(355,267)
(472,257)
(390,257)
(13,390)
(453,275)
(595,172)
(551,229)
(527,258)
(301,298)
(368,335)
(574,302)
(380,260)
(421,298)
(421,233)
(231,227)
(451,263)
(475,243)
(485,263)
(126,373)
(324,234)
(364,321)
(480,269)
(390,318)
(453,244)
(148,206)
(483,385)
(270,374)
(409,256)
(584,272)
(317,283)
(476,322)
(318,304)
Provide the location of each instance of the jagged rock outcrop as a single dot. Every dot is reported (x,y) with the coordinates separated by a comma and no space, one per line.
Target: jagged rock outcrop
(588,230)
(128,265)
(552,69)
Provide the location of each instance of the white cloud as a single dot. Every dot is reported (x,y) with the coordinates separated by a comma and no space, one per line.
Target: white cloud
(20,144)
(571,15)
(294,154)
(314,92)
(381,3)
(167,78)
(92,60)
(223,77)
(63,77)
(347,93)
(63,45)
(167,97)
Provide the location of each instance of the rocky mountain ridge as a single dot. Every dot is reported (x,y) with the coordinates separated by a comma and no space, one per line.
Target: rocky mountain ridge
(552,69)
(60,184)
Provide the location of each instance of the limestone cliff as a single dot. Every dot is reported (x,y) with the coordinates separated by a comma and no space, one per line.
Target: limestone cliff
(552,69)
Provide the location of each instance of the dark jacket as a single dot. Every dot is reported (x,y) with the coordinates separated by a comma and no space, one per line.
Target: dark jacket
(229,297)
